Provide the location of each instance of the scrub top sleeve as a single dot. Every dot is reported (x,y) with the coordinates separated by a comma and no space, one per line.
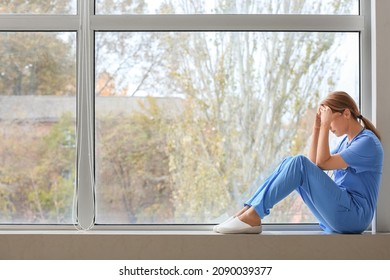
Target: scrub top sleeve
(361,155)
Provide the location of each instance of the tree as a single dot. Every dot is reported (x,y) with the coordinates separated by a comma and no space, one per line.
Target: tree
(52,180)
(37,157)
(39,63)
(37,175)
(133,166)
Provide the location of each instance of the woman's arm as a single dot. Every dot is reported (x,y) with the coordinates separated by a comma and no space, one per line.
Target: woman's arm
(324,159)
(323,150)
(314,139)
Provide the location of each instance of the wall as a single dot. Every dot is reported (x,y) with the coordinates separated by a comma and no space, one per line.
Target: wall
(381,90)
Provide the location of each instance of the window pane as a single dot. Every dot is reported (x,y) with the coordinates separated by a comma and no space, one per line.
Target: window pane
(350,7)
(38,7)
(188,123)
(37,127)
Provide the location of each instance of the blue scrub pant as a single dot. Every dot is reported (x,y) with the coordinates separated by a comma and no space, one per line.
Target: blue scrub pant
(334,207)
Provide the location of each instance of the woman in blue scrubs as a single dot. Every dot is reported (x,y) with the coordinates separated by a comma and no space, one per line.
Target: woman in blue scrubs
(344,204)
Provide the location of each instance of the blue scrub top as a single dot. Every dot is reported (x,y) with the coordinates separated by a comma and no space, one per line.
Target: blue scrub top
(362,177)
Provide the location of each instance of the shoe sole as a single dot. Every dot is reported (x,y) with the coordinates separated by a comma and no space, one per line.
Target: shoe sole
(252,230)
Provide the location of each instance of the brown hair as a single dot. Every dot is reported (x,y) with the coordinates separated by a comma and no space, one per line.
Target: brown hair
(338,101)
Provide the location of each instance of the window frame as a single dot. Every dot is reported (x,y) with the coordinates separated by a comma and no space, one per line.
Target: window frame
(86,23)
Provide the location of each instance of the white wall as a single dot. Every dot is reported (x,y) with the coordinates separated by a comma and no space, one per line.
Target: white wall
(381,106)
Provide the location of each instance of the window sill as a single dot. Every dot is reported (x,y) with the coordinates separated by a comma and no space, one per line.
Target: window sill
(153,244)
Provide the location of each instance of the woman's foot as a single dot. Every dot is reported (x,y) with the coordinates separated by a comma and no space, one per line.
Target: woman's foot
(248,222)
(243,210)
(237,226)
(250,217)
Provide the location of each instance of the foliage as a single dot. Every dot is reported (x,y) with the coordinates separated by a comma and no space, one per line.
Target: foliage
(197,174)
(38,63)
(133,165)
(37,175)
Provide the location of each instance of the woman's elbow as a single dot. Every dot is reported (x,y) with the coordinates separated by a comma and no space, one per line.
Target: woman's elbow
(321,163)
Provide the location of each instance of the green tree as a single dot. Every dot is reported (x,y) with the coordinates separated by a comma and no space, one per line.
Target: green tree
(133,164)
(19,147)
(52,180)
(37,157)
(38,63)
(37,175)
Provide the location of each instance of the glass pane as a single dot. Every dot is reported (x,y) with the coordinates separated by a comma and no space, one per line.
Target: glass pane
(188,123)
(37,127)
(339,7)
(38,7)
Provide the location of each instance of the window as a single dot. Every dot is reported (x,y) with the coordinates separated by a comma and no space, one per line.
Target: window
(181,107)
(37,126)
(186,121)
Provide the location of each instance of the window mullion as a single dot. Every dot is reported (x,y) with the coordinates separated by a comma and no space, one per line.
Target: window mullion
(85,136)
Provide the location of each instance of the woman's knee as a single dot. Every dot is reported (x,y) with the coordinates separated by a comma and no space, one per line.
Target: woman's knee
(301,159)
(302,163)
(296,163)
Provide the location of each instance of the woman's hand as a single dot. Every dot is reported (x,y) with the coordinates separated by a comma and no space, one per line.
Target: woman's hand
(326,115)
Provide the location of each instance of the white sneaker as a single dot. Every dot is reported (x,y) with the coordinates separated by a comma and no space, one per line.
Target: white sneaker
(215,228)
(237,226)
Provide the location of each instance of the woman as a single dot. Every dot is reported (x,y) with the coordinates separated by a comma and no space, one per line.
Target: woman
(344,204)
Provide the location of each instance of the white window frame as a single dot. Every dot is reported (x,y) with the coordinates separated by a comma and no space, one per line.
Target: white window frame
(85,23)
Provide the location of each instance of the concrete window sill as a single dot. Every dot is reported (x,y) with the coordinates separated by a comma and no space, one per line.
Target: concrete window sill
(144,245)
